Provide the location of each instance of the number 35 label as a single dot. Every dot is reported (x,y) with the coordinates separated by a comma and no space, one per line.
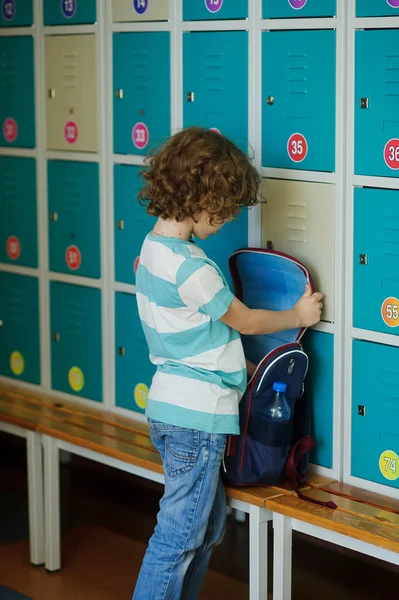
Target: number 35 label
(297,147)
(390,312)
(391,154)
(140,135)
(389,465)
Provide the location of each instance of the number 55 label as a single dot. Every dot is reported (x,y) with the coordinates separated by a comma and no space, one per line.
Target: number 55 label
(297,147)
(389,465)
(390,312)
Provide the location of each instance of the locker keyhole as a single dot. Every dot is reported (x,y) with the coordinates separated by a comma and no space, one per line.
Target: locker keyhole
(119,94)
(270,100)
(121,224)
(51,93)
(361,410)
(1,323)
(121,351)
(269,245)
(56,337)
(54,217)
(190,96)
(363,259)
(364,102)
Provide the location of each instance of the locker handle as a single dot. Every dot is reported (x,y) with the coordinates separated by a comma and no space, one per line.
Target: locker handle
(54,217)
(56,337)
(270,100)
(1,323)
(119,94)
(190,96)
(269,245)
(364,102)
(121,351)
(51,93)
(121,224)
(363,259)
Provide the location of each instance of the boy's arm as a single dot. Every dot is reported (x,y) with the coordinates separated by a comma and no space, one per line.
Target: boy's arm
(306,313)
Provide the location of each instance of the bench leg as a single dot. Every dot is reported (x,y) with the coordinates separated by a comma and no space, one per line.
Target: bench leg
(258,528)
(52,504)
(35,496)
(282,557)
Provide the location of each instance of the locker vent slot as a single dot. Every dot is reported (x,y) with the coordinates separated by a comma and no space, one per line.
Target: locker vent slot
(390,235)
(70,71)
(75,318)
(140,70)
(72,196)
(8,73)
(391,75)
(214,72)
(297,74)
(296,221)
(15,305)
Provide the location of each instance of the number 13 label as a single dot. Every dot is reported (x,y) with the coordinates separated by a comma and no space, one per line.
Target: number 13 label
(391,154)
(213,5)
(297,147)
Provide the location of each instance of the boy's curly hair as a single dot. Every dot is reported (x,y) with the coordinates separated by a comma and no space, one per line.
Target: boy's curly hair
(195,170)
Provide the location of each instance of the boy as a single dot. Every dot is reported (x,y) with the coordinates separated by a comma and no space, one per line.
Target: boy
(197,182)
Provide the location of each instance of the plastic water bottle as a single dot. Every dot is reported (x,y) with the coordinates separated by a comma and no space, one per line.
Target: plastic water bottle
(278,408)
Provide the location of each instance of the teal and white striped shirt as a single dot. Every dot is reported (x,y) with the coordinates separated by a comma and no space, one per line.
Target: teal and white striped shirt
(201,372)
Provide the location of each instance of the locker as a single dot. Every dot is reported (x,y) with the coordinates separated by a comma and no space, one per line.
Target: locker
(74,217)
(377,8)
(141,91)
(140,10)
(17,98)
(298,219)
(276,9)
(76,354)
(212,96)
(18,211)
(69,12)
(16,13)
(132,222)
(230,238)
(71,102)
(298,100)
(377,103)
(376,260)
(320,349)
(19,327)
(375,414)
(133,369)
(202,10)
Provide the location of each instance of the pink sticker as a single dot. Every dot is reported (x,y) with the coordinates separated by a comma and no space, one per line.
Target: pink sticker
(297,4)
(393,3)
(213,5)
(73,258)
(13,248)
(71,132)
(391,154)
(136,265)
(215,129)
(10,130)
(297,147)
(140,135)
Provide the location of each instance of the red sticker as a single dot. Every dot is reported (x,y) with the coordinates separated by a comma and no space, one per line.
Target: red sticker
(10,130)
(71,132)
(297,147)
(73,258)
(136,265)
(140,135)
(391,154)
(13,248)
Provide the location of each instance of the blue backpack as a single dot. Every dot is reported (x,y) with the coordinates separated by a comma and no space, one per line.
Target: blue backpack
(268,452)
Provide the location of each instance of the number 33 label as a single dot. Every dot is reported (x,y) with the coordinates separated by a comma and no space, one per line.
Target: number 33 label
(297,147)
(390,312)
(140,135)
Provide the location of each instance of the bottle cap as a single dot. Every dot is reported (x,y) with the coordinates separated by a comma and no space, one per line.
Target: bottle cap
(278,386)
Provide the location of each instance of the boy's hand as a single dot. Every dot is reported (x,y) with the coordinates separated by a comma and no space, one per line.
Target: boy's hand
(309,308)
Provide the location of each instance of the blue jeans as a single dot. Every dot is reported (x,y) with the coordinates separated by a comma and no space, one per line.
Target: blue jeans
(192,514)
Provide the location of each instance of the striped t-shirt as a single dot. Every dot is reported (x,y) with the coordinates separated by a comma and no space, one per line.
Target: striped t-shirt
(201,372)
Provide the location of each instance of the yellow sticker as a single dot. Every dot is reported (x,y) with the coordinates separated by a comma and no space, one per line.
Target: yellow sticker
(390,312)
(76,379)
(17,363)
(389,465)
(141,395)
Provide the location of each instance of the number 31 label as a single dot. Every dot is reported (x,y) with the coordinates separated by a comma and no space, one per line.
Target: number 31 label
(297,147)
(389,465)
(390,312)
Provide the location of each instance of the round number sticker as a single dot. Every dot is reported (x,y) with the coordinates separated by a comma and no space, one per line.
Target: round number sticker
(214,5)
(390,312)
(297,147)
(8,10)
(76,379)
(215,129)
(68,8)
(391,154)
(389,465)
(71,132)
(393,3)
(140,6)
(17,363)
(10,130)
(73,258)
(136,265)
(140,135)
(141,395)
(13,248)
(297,4)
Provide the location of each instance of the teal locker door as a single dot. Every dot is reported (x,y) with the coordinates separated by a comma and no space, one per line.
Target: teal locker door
(375,414)
(17,98)
(278,9)
(19,327)
(69,12)
(377,103)
(298,100)
(141,91)
(215,83)
(376,260)
(320,349)
(132,222)
(16,13)
(76,355)
(74,218)
(377,8)
(133,369)
(18,211)
(230,238)
(202,10)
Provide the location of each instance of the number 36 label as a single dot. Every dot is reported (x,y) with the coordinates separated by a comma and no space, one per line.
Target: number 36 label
(391,154)
(390,312)
(297,147)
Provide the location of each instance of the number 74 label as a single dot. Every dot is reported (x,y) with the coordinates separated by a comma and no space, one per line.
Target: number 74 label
(389,465)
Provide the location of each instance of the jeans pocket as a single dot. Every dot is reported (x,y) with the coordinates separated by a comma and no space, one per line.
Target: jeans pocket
(181,451)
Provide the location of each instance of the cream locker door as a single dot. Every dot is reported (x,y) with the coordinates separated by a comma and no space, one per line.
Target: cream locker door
(71,83)
(140,10)
(298,219)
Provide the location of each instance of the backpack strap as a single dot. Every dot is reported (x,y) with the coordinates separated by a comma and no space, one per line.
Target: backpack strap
(297,452)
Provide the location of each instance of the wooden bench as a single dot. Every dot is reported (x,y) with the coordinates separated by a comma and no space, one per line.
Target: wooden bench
(124,444)
(364,522)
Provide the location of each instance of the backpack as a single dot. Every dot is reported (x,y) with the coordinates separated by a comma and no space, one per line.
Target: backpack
(268,452)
